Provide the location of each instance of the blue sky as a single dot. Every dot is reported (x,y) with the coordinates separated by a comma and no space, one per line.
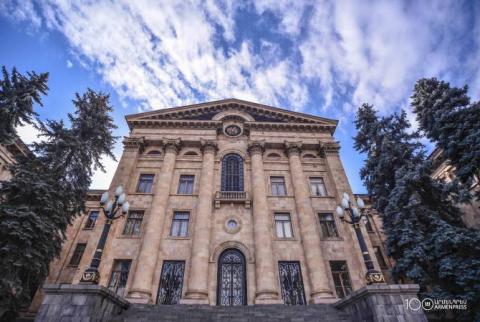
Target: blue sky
(318,57)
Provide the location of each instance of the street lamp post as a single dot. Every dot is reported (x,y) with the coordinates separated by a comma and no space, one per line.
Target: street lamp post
(110,209)
(354,216)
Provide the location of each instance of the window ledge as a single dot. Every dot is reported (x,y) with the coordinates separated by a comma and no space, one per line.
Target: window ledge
(185,194)
(325,197)
(286,239)
(177,238)
(141,193)
(72,266)
(129,236)
(331,239)
(88,228)
(278,196)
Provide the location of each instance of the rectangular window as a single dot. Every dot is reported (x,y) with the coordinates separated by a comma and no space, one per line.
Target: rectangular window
(91,220)
(278,186)
(380,258)
(119,277)
(341,278)
(317,187)
(368,224)
(283,225)
(171,281)
(180,224)
(145,183)
(185,185)
(327,224)
(77,254)
(291,283)
(133,224)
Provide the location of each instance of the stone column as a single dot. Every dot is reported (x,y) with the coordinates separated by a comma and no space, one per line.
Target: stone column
(140,292)
(197,287)
(131,148)
(317,272)
(265,268)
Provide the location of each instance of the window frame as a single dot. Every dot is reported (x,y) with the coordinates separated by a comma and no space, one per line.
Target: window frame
(335,226)
(346,291)
(283,222)
(228,179)
(180,184)
(178,227)
(88,220)
(310,179)
(278,184)
(383,262)
(132,235)
(113,270)
(74,253)
(137,190)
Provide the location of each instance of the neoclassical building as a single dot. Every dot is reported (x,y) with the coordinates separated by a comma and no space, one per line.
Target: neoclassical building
(231,203)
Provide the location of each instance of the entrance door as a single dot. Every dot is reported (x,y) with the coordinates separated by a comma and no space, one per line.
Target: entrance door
(232,289)
(171,281)
(291,283)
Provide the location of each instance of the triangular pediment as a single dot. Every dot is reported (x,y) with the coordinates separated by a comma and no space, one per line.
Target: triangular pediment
(207,111)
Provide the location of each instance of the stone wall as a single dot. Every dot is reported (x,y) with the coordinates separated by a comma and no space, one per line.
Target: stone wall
(381,302)
(75,303)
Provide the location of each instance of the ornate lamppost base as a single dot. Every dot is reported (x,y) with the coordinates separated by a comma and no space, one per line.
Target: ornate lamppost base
(91,276)
(374,277)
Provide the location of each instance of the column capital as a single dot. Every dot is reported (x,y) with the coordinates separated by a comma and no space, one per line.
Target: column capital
(134,143)
(292,148)
(208,146)
(255,147)
(328,148)
(172,145)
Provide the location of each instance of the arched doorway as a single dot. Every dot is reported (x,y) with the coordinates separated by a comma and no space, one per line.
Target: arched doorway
(232,284)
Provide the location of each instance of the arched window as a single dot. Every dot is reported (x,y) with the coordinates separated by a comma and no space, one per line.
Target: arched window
(154,152)
(232,173)
(191,153)
(273,155)
(309,156)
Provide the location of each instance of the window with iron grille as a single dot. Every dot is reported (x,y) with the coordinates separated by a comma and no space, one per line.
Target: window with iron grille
(291,283)
(119,277)
(283,225)
(145,183)
(133,223)
(232,173)
(278,186)
(77,254)
(317,187)
(380,258)
(180,224)
(341,278)
(327,224)
(185,184)
(91,220)
(171,282)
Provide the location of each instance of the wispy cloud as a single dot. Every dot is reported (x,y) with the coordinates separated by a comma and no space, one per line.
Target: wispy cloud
(340,52)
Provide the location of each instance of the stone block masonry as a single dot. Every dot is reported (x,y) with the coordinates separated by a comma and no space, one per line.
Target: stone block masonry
(79,303)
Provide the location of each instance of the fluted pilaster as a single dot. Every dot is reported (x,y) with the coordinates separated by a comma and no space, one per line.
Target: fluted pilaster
(141,290)
(265,268)
(197,288)
(317,272)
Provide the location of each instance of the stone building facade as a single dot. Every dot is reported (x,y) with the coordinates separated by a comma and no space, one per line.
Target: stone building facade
(8,156)
(231,203)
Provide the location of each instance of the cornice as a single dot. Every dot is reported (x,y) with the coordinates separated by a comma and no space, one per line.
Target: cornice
(304,127)
(329,148)
(155,123)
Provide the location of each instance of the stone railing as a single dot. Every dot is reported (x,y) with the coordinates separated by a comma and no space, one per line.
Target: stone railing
(232,197)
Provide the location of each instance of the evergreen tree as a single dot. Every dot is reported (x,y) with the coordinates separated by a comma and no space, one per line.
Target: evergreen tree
(389,145)
(425,235)
(428,248)
(447,117)
(45,194)
(18,93)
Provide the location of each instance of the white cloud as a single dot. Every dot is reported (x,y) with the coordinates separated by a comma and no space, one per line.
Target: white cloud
(28,133)
(102,180)
(170,54)
(69,63)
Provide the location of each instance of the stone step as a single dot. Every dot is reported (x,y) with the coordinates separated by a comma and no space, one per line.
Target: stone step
(257,313)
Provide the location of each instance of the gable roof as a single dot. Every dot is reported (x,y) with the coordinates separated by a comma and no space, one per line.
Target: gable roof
(206,111)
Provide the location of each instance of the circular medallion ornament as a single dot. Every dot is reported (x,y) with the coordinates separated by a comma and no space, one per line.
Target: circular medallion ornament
(232,225)
(232,130)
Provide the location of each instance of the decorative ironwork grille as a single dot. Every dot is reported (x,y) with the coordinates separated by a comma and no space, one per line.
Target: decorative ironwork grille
(231,279)
(171,282)
(291,283)
(232,173)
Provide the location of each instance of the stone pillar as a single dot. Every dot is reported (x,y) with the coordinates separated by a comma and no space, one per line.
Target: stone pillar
(265,268)
(131,148)
(140,292)
(317,272)
(197,287)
